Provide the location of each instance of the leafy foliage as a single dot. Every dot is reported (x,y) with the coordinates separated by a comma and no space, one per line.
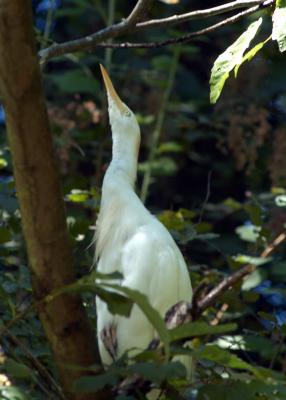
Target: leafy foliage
(231,58)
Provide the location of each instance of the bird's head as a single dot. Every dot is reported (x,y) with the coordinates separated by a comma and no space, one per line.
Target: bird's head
(122,119)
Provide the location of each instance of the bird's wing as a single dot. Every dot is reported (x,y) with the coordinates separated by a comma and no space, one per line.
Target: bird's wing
(153,264)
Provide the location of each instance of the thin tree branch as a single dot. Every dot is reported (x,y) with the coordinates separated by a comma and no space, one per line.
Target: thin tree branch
(42,370)
(210,12)
(132,24)
(189,36)
(89,42)
(236,277)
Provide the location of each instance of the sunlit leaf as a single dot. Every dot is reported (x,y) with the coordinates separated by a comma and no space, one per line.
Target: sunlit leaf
(249,233)
(253,279)
(249,55)
(3,163)
(245,259)
(225,358)
(232,56)
(78,196)
(280,201)
(12,393)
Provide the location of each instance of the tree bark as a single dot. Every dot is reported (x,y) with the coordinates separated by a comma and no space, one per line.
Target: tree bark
(38,189)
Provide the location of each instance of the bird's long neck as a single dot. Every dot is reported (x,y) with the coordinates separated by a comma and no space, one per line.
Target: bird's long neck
(123,166)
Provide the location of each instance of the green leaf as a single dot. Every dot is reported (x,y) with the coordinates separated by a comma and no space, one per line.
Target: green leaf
(90,384)
(249,233)
(116,303)
(151,313)
(226,62)
(193,329)
(225,358)
(280,201)
(262,345)
(253,279)
(170,147)
(233,390)
(12,393)
(255,213)
(106,277)
(279,27)
(76,81)
(78,196)
(17,370)
(162,166)
(159,373)
(249,55)
(3,163)
(244,259)
(5,235)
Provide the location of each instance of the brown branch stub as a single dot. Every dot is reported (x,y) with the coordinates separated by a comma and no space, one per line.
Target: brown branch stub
(139,12)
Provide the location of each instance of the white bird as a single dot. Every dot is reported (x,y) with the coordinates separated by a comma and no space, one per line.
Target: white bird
(130,240)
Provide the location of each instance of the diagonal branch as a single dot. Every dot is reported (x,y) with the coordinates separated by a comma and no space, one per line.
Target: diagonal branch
(190,36)
(236,277)
(132,24)
(210,12)
(89,42)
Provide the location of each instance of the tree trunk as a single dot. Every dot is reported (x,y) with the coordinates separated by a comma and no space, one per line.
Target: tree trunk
(37,182)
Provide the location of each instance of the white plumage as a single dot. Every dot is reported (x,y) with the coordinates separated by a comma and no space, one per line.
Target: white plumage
(132,241)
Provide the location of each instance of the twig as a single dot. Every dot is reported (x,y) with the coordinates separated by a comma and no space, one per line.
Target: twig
(39,366)
(208,193)
(89,42)
(210,12)
(236,277)
(188,37)
(219,314)
(32,307)
(48,24)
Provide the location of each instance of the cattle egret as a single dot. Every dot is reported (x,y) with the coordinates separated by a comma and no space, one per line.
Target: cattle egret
(130,240)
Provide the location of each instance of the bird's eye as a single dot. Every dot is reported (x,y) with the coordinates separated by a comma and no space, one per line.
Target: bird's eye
(127,113)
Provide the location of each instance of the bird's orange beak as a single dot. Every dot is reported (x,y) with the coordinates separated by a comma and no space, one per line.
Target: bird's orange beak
(110,89)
